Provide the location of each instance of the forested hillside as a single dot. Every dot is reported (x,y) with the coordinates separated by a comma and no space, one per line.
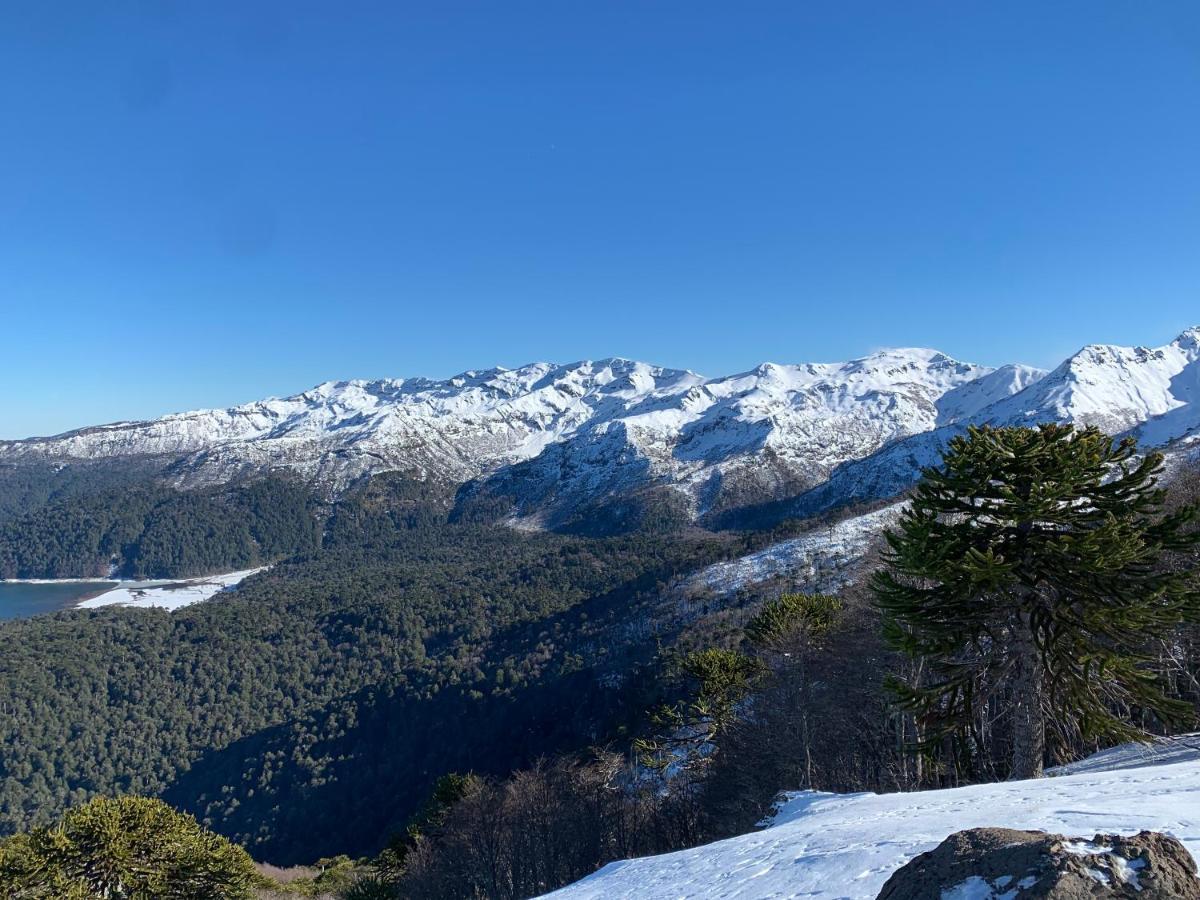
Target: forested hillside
(311,711)
(27,486)
(146,530)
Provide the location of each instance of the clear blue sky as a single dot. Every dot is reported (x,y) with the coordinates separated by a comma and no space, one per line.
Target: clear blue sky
(207,203)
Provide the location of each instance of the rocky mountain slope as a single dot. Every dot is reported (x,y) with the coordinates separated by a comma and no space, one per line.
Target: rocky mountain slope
(1150,393)
(544,441)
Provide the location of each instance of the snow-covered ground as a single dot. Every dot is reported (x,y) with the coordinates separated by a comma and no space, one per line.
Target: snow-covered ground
(844,847)
(819,560)
(168,594)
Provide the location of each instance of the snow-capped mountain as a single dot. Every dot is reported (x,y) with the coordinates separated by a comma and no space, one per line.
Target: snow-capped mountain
(1118,389)
(543,441)
(585,430)
(769,433)
(1150,393)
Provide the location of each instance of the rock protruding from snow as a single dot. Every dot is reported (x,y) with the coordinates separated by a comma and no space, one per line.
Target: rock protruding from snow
(1005,864)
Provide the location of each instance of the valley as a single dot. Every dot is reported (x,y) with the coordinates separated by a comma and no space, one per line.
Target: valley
(473,575)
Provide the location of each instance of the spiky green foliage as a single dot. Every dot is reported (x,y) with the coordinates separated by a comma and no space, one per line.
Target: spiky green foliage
(1027,570)
(720,679)
(127,848)
(724,677)
(810,615)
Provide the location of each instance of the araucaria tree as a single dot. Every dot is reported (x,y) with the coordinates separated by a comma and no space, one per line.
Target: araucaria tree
(1026,577)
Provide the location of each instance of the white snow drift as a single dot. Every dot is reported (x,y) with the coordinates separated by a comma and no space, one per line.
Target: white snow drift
(170,595)
(820,560)
(844,847)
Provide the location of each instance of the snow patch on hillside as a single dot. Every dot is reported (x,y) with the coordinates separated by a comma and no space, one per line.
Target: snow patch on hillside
(820,560)
(844,847)
(171,595)
(1178,749)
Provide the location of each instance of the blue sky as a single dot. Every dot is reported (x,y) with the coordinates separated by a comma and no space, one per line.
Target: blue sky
(204,204)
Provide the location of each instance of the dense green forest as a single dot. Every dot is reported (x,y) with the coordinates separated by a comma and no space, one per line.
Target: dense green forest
(146,530)
(27,486)
(310,712)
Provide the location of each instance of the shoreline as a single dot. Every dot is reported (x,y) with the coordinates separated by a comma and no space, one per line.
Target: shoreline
(97,580)
(48,595)
(170,593)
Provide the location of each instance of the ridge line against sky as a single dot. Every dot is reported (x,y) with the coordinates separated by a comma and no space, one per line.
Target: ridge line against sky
(205,206)
(707,376)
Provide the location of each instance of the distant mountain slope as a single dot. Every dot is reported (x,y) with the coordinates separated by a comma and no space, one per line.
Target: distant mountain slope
(582,431)
(827,846)
(1114,388)
(548,445)
(1151,393)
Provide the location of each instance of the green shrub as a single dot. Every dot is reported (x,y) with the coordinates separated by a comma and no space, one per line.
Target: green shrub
(128,848)
(810,615)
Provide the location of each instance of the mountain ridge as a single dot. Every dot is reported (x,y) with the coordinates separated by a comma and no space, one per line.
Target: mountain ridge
(544,440)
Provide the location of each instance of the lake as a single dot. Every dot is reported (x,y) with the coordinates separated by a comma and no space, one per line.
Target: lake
(19,600)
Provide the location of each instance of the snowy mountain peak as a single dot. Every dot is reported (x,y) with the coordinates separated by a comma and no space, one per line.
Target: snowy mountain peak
(615,424)
(1115,388)
(1190,339)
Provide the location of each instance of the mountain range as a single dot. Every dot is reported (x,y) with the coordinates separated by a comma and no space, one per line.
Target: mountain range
(545,445)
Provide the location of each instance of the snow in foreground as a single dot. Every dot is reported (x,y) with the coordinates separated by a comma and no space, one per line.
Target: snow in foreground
(827,846)
(168,594)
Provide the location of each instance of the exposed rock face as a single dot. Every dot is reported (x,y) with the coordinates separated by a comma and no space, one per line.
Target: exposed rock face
(1003,864)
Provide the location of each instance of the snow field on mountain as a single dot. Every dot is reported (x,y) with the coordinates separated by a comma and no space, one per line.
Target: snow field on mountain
(609,413)
(844,847)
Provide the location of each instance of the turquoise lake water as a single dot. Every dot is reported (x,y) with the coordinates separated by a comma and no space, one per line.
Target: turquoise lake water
(19,601)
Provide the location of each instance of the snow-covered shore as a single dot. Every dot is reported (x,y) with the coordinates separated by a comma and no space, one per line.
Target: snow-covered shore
(843,847)
(171,595)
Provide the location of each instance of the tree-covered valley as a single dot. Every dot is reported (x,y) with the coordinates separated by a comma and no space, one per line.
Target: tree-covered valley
(138,528)
(311,711)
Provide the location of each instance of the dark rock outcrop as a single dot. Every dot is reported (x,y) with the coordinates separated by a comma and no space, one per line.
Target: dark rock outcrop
(1003,864)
